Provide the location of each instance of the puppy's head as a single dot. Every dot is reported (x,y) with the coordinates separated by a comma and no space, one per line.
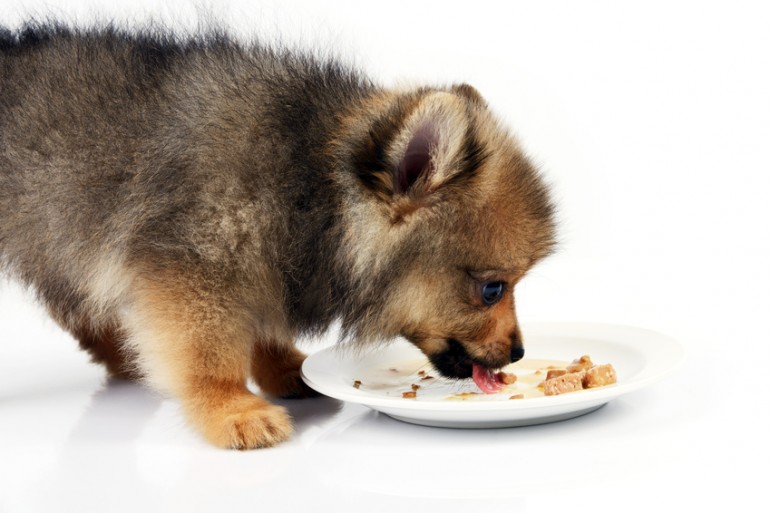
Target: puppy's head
(443,217)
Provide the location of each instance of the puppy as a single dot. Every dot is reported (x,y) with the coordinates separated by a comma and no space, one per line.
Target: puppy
(186,208)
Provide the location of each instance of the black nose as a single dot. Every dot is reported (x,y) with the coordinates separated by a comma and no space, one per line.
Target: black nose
(517,347)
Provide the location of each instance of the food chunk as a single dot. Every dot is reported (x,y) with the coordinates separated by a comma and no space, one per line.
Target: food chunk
(580,364)
(555,373)
(569,382)
(506,378)
(599,376)
(582,373)
(409,395)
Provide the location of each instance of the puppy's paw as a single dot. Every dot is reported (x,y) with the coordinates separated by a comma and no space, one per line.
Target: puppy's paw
(248,424)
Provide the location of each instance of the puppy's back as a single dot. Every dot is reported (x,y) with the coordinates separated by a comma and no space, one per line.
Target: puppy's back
(153,148)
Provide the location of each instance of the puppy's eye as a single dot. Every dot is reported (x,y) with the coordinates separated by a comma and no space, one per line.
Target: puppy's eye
(491,292)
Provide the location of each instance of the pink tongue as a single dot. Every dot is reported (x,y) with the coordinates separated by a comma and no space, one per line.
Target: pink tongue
(486,380)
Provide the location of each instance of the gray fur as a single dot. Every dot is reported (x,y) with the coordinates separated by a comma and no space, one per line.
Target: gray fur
(175,153)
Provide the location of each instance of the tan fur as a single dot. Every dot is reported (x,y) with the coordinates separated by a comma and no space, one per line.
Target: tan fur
(197,347)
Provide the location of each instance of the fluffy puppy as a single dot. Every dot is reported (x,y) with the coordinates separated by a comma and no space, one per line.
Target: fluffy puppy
(186,208)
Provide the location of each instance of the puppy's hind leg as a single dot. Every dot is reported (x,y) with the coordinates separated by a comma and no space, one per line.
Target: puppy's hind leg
(106,345)
(99,335)
(196,343)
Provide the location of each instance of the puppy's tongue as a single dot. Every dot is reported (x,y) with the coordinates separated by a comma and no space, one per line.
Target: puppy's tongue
(486,380)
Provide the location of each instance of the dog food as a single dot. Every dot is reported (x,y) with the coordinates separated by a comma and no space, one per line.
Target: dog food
(555,373)
(527,379)
(599,376)
(506,378)
(580,364)
(568,382)
(581,374)
(464,396)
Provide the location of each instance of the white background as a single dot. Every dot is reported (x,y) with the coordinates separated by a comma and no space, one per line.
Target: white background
(651,121)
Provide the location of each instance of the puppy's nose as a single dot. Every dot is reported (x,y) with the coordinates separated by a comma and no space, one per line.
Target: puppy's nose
(517,348)
(517,353)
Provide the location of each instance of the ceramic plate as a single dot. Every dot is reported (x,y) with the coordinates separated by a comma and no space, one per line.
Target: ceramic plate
(378,379)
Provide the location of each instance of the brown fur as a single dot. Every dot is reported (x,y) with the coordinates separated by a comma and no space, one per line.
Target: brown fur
(188,208)
(106,346)
(276,370)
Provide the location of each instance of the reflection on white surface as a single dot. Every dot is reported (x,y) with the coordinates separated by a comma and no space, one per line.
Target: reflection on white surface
(127,442)
(71,441)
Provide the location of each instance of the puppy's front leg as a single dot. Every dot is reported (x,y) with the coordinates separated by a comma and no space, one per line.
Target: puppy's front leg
(196,344)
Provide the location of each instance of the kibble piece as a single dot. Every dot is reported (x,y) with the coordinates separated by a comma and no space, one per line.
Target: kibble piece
(357,384)
(571,382)
(506,378)
(599,376)
(409,395)
(580,364)
(555,373)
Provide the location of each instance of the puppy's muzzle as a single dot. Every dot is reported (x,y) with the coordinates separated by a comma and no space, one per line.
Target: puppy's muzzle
(517,347)
(456,362)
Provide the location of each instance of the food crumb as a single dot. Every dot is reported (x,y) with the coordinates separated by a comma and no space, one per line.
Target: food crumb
(507,378)
(421,373)
(463,396)
(393,369)
(409,395)
(517,396)
(426,377)
(415,386)
(357,383)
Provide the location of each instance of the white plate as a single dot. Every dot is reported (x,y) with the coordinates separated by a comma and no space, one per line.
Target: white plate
(640,357)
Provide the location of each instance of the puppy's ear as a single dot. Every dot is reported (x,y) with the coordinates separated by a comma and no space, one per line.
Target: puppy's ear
(469,93)
(418,161)
(413,150)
